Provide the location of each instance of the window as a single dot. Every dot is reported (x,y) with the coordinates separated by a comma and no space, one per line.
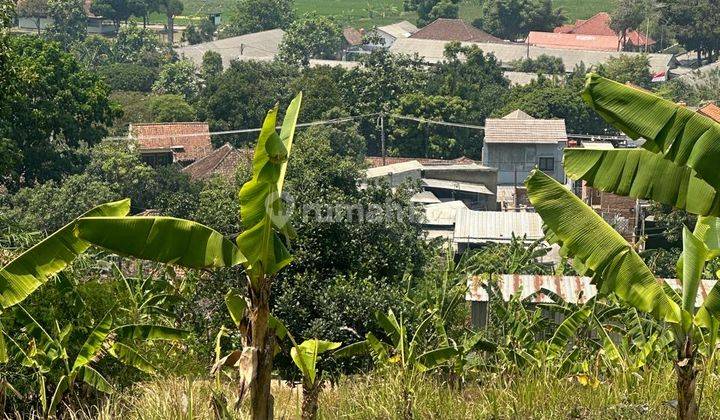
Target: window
(546,164)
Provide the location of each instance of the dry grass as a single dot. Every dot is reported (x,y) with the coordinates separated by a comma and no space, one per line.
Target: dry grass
(381,397)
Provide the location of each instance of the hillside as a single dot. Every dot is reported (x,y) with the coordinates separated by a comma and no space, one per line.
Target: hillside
(380,12)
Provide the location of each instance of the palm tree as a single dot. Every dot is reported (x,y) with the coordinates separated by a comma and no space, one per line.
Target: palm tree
(676,166)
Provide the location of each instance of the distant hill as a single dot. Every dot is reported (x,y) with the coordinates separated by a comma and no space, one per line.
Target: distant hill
(380,12)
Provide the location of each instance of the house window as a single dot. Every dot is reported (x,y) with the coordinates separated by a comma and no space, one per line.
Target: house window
(546,164)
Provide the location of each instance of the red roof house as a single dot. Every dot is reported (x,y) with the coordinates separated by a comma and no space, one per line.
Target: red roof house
(600,25)
(184,141)
(711,111)
(573,41)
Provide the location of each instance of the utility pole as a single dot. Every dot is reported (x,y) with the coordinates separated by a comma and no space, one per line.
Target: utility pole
(382,136)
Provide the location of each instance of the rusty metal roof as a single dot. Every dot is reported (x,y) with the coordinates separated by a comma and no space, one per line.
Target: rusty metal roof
(573,289)
(496,226)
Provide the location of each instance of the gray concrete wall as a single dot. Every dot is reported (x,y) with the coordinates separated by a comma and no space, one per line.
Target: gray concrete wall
(485,176)
(515,160)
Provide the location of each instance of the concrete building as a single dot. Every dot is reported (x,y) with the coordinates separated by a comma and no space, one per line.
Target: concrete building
(390,33)
(517,143)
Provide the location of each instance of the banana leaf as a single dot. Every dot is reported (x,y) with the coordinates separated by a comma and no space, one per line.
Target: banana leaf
(567,330)
(585,236)
(131,357)
(162,239)
(639,173)
(674,131)
(149,332)
(306,354)
(32,268)
(93,378)
(94,342)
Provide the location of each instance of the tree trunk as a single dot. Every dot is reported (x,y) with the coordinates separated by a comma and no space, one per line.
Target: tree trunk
(687,408)
(699,57)
(171,29)
(261,399)
(310,400)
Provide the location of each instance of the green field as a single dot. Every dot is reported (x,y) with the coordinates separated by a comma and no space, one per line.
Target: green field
(381,12)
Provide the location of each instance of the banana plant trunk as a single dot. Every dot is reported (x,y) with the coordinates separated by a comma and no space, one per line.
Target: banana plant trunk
(261,398)
(311,393)
(687,408)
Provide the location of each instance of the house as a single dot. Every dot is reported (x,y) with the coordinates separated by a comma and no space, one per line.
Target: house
(96,25)
(166,143)
(599,25)
(476,228)
(389,33)
(453,30)
(470,183)
(433,51)
(440,220)
(517,142)
(572,289)
(222,162)
(711,111)
(573,41)
(260,46)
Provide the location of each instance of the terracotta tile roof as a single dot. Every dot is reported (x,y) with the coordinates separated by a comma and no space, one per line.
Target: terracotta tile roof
(188,140)
(377,161)
(222,161)
(519,127)
(454,30)
(573,41)
(352,36)
(600,25)
(711,110)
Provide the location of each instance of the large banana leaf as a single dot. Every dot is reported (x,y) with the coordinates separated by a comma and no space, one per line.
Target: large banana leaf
(306,354)
(149,332)
(35,266)
(261,209)
(642,174)
(585,236)
(692,263)
(162,239)
(131,357)
(94,342)
(679,134)
(567,330)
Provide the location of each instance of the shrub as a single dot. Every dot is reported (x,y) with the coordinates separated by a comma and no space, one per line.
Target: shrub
(128,76)
(170,108)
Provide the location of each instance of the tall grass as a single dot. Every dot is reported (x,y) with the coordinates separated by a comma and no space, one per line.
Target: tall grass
(380,396)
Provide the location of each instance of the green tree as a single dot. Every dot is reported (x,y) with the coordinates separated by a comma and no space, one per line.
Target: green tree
(53,106)
(421,139)
(344,139)
(628,15)
(170,8)
(115,10)
(311,36)
(69,21)
(170,108)
(196,34)
(513,19)
(94,51)
(547,98)
(177,78)
(625,68)
(322,88)
(128,76)
(212,64)
(248,16)
(543,64)
(429,10)
(234,98)
(694,23)
(134,44)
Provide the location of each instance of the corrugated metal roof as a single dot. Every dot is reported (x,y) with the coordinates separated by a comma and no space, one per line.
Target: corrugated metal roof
(424,197)
(256,46)
(522,128)
(432,51)
(443,214)
(573,289)
(597,145)
(456,186)
(402,29)
(496,226)
(395,168)
(520,78)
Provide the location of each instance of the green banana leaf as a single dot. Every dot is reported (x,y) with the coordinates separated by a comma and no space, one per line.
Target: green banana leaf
(585,236)
(93,378)
(678,133)
(60,390)
(692,263)
(163,239)
(149,332)
(261,209)
(236,305)
(32,268)
(434,358)
(94,342)
(306,354)
(3,346)
(567,330)
(639,173)
(131,357)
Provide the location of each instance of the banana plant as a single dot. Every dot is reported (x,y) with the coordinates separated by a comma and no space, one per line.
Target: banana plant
(149,297)
(306,356)
(598,250)
(260,248)
(45,354)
